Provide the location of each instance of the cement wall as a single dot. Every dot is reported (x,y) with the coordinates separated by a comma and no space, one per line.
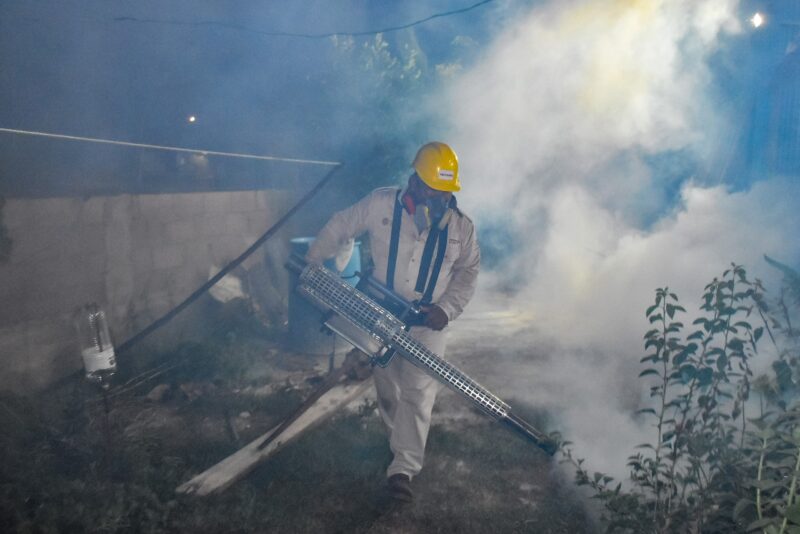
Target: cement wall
(137,256)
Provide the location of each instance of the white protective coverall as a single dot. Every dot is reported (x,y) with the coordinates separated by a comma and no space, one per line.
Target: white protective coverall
(406,393)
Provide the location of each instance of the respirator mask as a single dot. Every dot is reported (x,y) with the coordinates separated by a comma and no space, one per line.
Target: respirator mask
(430,211)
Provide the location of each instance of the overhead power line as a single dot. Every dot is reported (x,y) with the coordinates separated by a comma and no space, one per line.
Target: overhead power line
(243,28)
(168,148)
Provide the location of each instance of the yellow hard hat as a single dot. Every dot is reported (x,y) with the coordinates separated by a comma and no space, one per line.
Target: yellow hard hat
(437,165)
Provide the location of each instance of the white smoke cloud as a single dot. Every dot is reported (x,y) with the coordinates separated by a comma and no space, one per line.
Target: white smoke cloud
(574,84)
(595,275)
(553,127)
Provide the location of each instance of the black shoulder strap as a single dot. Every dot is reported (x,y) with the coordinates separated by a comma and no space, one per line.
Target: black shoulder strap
(394,242)
(441,248)
(437,266)
(427,256)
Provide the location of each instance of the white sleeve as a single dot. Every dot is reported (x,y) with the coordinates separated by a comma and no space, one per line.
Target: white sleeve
(339,231)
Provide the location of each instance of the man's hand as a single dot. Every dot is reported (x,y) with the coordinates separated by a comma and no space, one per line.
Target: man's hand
(435,317)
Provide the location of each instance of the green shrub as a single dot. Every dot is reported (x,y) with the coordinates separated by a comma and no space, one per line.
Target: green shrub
(713,467)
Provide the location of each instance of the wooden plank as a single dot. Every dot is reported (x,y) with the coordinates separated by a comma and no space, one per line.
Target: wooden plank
(238,465)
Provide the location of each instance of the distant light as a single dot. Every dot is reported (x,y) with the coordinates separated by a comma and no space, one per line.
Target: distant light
(757,20)
(192,118)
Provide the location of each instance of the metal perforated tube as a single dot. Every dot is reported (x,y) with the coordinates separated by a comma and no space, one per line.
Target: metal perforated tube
(330,291)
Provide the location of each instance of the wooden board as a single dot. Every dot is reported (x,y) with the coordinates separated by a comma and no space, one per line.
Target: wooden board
(238,465)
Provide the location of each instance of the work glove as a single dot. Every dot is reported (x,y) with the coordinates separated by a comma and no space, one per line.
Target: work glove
(435,317)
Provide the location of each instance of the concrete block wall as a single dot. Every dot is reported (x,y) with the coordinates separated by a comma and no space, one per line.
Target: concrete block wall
(137,256)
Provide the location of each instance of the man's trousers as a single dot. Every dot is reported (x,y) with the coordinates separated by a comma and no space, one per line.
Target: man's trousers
(405,400)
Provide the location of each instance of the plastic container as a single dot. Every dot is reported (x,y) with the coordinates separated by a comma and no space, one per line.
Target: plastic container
(306,333)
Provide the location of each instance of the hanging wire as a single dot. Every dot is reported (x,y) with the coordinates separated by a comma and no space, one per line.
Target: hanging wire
(164,319)
(168,148)
(158,323)
(242,28)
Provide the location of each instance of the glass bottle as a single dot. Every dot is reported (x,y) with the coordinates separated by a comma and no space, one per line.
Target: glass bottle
(94,340)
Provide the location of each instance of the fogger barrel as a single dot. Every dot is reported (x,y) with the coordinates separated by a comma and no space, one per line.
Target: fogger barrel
(375,331)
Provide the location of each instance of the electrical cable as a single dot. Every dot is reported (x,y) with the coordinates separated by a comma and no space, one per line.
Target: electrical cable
(164,319)
(240,27)
(158,323)
(168,148)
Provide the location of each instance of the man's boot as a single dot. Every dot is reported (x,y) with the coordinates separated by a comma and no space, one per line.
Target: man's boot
(400,488)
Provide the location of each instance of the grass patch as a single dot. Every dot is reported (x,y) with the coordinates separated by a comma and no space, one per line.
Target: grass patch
(66,471)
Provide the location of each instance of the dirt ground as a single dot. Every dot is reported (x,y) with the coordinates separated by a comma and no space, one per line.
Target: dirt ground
(70,469)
